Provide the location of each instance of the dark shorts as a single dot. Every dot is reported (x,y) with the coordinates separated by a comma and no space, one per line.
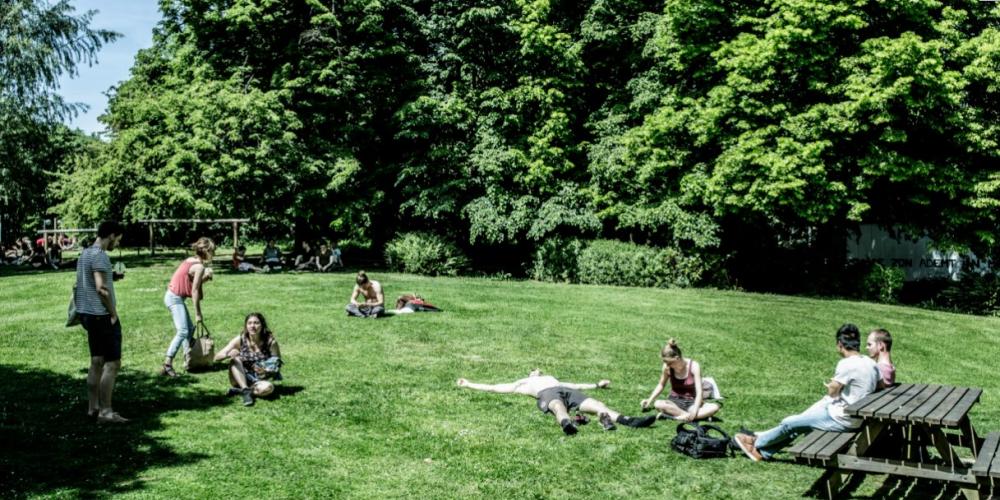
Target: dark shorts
(572,398)
(104,339)
(682,403)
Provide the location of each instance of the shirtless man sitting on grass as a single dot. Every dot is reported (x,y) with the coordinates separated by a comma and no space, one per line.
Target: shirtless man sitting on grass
(558,398)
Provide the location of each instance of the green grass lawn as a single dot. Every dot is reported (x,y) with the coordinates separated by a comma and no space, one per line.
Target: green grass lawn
(370,408)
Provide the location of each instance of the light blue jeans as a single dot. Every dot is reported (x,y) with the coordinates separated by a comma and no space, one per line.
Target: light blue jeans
(182,323)
(816,417)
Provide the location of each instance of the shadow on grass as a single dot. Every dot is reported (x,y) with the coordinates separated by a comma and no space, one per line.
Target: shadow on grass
(49,446)
(284,391)
(894,487)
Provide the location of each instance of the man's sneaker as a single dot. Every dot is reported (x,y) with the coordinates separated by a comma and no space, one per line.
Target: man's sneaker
(636,422)
(568,427)
(247,397)
(233,391)
(580,419)
(168,371)
(745,443)
(606,422)
(711,388)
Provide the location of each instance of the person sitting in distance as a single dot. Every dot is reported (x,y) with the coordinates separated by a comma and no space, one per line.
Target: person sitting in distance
(240,262)
(304,257)
(374,303)
(271,258)
(325,259)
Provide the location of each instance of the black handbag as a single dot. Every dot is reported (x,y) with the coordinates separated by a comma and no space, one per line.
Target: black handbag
(696,441)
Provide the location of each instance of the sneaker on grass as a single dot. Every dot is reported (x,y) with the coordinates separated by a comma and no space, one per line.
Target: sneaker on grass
(746,444)
(606,422)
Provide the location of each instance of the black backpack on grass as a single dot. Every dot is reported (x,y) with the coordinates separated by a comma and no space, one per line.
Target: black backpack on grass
(696,441)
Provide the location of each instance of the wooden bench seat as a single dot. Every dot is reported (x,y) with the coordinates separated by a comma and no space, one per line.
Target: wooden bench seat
(987,466)
(821,447)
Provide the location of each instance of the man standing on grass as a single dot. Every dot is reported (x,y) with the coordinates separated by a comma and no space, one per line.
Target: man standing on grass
(856,376)
(558,398)
(94,298)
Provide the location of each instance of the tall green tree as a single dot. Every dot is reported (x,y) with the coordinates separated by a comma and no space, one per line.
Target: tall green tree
(39,42)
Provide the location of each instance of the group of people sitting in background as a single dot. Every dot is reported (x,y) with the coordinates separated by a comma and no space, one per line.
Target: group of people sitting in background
(44,252)
(325,258)
(855,377)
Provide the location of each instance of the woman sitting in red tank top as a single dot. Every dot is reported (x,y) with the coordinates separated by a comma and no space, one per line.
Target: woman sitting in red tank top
(688,388)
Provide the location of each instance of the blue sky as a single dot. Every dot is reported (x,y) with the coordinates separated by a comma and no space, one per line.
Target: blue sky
(135,19)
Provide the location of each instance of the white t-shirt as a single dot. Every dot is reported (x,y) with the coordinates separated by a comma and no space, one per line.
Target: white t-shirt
(859,375)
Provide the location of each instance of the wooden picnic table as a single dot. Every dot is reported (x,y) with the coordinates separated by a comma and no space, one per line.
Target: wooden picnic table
(900,426)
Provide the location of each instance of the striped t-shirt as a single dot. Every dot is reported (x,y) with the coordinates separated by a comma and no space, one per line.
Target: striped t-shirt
(88,301)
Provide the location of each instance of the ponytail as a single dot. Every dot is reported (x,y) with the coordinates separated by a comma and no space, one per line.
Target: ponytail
(671,350)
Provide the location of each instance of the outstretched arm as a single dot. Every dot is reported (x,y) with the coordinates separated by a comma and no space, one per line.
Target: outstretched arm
(497,388)
(600,384)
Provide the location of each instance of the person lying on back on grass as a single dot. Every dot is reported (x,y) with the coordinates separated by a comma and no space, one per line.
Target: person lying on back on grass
(880,349)
(254,356)
(686,402)
(558,398)
(374,304)
(856,376)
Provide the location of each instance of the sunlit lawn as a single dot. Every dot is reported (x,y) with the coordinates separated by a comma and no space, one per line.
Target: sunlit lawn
(369,408)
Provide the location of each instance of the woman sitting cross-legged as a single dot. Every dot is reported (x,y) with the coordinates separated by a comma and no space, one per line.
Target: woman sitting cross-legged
(253,357)
(688,389)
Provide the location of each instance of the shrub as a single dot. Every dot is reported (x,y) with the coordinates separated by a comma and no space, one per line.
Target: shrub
(611,262)
(557,259)
(883,283)
(425,253)
(973,294)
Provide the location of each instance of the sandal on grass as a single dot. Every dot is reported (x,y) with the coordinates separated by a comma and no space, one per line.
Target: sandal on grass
(112,418)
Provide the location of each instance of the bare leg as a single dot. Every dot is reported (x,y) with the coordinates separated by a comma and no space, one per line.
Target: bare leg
(707,410)
(591,405)
(108,376)
(668,407)
(262,388)
(237,376)
(558,410)
(94,384)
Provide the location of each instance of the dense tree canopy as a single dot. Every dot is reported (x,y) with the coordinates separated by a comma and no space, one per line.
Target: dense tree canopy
(678,123)
(39,41)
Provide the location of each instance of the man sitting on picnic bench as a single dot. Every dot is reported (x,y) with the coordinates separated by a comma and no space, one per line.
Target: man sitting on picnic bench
(558,398)
(856,376)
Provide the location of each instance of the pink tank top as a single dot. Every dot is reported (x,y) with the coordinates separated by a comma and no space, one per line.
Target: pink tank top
(180,283)
(683,388)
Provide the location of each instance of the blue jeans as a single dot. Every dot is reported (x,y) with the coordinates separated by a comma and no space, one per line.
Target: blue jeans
(816,417)
(182,323)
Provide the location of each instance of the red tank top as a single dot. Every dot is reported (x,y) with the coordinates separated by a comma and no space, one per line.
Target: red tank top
(180,283)
(683,388)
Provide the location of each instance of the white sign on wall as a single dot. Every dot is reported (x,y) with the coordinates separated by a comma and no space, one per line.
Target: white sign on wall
(918,258)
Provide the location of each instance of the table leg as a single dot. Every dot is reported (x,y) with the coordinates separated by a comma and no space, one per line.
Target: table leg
(828,485)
